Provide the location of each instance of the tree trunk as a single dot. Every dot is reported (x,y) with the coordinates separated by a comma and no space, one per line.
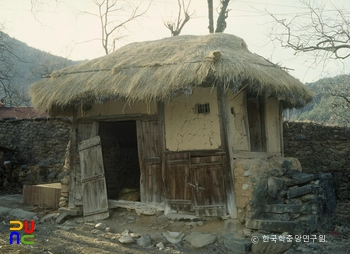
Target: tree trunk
(221,22)
(210,14)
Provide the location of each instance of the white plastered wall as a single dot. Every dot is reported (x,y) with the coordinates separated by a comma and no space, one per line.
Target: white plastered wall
(187,130)
(118,108)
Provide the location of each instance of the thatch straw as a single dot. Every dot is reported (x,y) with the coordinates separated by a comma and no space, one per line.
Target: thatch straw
(156,70)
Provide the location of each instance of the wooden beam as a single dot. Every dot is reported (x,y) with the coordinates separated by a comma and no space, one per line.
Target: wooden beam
(225,134)
(94,129)
(73,150)
(281,126)
(162,144)
(114,118)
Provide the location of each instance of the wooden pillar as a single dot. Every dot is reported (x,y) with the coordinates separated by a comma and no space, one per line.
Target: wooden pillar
(281,126)
(73,150)
(225,134)
(162,145)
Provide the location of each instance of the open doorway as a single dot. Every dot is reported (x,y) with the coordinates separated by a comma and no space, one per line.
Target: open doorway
(120,158)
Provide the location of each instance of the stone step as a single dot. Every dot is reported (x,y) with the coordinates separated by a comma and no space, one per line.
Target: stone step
(273,225)
(300,191)
(287,208)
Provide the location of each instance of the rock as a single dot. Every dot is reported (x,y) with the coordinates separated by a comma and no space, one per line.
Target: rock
(159,213)
(49,217)
(173,237)
(160,246)
(100,225)
(95,231)
(237,245)
(231,226)
(199,240)
(24,167)
(270,246)
(71,212)
(63,204)
(61,217)
(297,192)
(200,223)
(126,239)
(273,226)
(287,208)
(144,241)
(161,219)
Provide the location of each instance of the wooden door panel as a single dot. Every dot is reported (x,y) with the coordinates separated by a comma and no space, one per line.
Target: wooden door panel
(180,192)
(151,183)
(95,202)
(208,186)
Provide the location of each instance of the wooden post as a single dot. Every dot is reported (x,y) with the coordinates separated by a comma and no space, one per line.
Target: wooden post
(225,134)
(162,145)
(73,150)
(281,126)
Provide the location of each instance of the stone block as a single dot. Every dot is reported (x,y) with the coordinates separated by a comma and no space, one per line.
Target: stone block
(287,208)
(275,184)
(270,246)
(238,245)
(300,191)
(273,225)
(71,212)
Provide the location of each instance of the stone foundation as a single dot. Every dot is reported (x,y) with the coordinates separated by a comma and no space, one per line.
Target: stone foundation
(273,195)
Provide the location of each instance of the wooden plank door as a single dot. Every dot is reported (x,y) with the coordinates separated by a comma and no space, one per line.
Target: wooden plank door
(207,182)
(151,183)
(178,179)
(95,202)
(256,122)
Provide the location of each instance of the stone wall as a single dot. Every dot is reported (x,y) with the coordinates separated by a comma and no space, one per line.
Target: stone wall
(39,145)
(322,149)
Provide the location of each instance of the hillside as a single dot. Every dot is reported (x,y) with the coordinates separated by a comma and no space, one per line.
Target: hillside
(22,66)
(331,104)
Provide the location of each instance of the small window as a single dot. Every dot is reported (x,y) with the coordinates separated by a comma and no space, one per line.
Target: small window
(202,108)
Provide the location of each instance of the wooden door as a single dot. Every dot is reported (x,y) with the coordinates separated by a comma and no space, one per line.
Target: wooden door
(256,122)
(95,202)
(151,183)
(178,181)
(208,188)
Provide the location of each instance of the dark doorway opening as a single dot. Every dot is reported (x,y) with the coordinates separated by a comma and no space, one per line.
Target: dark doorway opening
(120,158)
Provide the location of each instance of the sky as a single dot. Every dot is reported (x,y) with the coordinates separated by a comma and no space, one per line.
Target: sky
(64,28)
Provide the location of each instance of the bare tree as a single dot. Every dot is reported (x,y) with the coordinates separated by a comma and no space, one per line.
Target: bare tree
(110,13)
(8,92)
(223,15)
(326,33)
(182,18)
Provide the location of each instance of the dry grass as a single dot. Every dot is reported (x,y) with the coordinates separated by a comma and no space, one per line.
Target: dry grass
(159,70)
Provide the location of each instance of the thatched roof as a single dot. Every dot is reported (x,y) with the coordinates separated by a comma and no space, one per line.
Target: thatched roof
(157,70)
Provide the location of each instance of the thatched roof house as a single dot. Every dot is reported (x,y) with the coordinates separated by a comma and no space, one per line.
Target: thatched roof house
(157,70)
(170,115)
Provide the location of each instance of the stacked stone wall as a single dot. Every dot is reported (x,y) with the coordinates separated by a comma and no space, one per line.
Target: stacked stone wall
(39,147)
(322,149)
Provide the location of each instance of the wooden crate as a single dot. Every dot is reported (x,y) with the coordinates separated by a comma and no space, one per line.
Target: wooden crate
(44,195)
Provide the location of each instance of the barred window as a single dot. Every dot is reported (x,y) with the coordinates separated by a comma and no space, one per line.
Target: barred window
(202,108)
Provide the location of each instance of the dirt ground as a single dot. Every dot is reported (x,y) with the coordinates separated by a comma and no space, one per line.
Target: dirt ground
(74,236)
